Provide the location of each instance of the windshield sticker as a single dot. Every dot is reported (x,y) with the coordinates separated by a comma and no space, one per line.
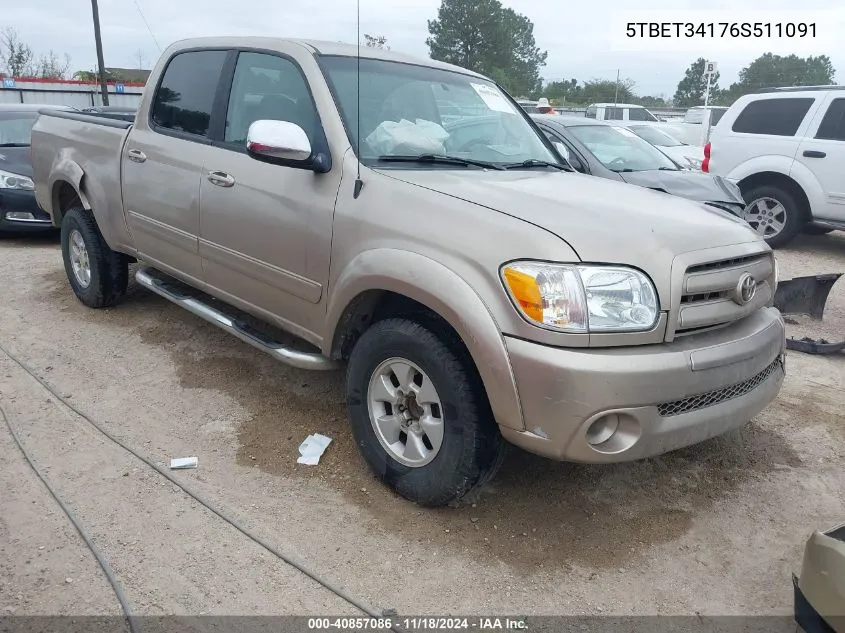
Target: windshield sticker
(494,99)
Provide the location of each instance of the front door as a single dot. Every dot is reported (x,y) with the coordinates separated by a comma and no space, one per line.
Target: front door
(823,152)
(162,163)
(266,229)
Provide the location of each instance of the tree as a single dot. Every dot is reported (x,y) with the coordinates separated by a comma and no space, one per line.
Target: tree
(652,102)
(693,86)
(772,71)
(563,91)
(483,36)
(49,66)
(376,41)
(605,91)
(16,57)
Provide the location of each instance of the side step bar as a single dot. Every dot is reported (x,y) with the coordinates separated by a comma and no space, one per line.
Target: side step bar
(170,290)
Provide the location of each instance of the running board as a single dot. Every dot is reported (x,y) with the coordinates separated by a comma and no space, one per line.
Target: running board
(171,291)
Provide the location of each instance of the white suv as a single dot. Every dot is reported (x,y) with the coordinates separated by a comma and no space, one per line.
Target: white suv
(785,147)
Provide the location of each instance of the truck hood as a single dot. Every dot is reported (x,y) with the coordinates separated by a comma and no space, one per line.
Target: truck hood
(602,220)
(16,160)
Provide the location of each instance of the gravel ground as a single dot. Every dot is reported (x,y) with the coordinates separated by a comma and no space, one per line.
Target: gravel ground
(713,529)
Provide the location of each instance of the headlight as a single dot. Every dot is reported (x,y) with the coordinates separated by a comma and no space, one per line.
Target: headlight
(15,181)
(572,298)
(694,163)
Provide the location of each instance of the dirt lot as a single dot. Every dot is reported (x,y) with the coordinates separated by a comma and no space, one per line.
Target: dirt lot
(713,529)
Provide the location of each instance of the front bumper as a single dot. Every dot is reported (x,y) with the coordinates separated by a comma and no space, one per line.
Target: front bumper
(15,202)
(622,404)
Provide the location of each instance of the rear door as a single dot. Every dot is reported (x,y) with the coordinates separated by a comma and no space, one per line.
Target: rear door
(266,229)
(162,162)
(823,152)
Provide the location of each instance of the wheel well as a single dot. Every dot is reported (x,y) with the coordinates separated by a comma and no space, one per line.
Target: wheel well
(376,305)
(64,198)
(778,180)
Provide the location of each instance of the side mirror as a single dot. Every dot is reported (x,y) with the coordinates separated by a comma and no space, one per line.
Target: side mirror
(562,150)
(279,140)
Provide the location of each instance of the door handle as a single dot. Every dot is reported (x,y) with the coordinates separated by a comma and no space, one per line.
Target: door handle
(220,178)
(136,156)
(811,153)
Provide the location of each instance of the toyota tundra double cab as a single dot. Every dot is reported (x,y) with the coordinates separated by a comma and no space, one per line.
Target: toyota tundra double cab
(475,289)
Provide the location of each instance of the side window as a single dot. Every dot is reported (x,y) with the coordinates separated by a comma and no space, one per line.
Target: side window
(833,125)
(639,114)
(185,97)
(612,114)
(268,87)
(779,117)
(591,112)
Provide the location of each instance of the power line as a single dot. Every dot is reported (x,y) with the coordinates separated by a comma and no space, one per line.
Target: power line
(141,13)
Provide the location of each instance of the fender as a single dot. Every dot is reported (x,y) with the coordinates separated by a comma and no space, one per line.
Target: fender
(813,189)
(779,164)
(101,196)
(64,169)
(443,291)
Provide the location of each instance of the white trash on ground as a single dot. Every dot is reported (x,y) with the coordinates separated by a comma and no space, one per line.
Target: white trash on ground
(184,462)
(312,449)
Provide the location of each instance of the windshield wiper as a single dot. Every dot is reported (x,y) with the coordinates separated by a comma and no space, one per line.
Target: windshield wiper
(667,169)
(439,158)
(14,144)
(533,162)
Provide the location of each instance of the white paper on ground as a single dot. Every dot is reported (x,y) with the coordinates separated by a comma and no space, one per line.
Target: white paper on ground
(184,462)
(494,99)
(312,448)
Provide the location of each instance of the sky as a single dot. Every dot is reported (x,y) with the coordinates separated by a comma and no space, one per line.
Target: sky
(583,39)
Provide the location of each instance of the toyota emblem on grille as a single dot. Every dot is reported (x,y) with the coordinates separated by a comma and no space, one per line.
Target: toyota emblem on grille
(745,289)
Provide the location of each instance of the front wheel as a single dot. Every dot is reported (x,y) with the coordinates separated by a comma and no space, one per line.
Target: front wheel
(97,274)
(419,414)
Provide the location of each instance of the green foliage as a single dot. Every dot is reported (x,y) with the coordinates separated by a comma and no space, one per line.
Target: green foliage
(483,36)
(692,88)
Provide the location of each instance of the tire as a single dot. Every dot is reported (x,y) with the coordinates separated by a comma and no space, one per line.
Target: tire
(812,229)
(792,214)
(107,270)
(472,448)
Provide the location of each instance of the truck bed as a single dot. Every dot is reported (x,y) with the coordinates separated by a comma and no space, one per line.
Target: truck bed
(76,143)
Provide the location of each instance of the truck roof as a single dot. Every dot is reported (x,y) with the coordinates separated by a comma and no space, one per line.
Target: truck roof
(317,47)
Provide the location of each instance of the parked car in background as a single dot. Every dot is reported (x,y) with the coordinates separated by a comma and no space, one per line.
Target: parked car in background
(697,115)
(19,212)
(616,153)
(619,112)
(589,321)
(688,156)
(785,148)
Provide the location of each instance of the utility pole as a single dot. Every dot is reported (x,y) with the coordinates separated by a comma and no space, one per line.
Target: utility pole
(616,94)
(101,67)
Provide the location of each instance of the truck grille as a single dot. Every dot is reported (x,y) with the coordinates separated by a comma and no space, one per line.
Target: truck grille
(693,403)
(710,297)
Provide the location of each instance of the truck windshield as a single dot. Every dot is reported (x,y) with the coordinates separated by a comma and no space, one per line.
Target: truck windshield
(409,110)
(655,136)
(16,128)
(621,150)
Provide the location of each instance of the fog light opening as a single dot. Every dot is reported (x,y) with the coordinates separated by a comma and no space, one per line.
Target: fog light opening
(602,429)
(613,433)
(19,215)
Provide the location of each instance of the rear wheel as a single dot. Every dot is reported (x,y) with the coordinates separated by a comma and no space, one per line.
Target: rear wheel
(774,214)
(419,414)
(98,275)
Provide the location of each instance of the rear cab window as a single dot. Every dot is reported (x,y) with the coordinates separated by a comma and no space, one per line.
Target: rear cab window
(775,117)
(184,99)
(591,112)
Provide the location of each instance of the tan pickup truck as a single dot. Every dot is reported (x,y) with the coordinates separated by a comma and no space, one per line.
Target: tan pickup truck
(424,235)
